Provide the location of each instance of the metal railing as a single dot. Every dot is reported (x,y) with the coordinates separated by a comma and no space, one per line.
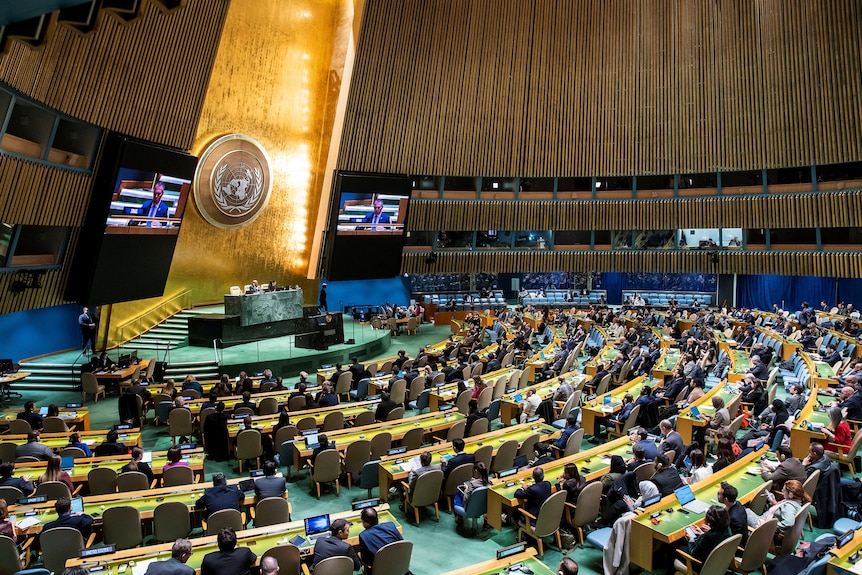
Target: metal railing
(153,317)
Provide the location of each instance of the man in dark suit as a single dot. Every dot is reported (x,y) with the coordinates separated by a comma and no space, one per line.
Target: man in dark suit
(220,496)
(672,439)
(7,468)
(788,468)
(384,407)
(375,536)
(246,402)
(601,372)
(176,565)
(535,495)
(30,416)
(155,208)
(377,216)
(270,485)
(80,521)
(425,467)
(666,476)
(336,545)
(727,495)
(323,445)
(229,559)
(460,458)
(357,369)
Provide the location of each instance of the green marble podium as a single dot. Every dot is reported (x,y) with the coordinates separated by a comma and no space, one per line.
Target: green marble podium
(265,307)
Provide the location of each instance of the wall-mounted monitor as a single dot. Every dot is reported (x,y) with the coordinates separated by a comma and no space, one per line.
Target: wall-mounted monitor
(368,217)
(138,199)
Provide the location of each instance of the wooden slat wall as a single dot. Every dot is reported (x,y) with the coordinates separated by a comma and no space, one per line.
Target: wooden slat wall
(828,209)
(147,79)
(832,264)
(619,87)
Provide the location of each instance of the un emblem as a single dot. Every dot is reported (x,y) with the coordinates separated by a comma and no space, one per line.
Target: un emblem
(233,182)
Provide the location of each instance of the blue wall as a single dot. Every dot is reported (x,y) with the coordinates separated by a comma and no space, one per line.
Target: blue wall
(39,331)
(367,292)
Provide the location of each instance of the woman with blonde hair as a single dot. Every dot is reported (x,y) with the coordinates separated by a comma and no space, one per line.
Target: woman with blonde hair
(54,472)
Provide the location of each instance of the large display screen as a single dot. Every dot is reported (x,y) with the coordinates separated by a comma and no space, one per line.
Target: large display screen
(367,223)
(137,203)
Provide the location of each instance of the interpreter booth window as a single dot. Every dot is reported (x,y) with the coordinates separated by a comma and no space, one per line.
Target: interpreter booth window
(534,240)
(839,176)
(572,240)
(602,239)
(623,240)
(834,239)
(537,189)
(704,184)
(793,239)
(654,187)
(460,188)
(419,239)
(40,247)
(455,241)
(614,188)
(494,240)
(499,188)
(6,231)
(574,188)
(654,240)
(731,238)
(741,183)
(699,239)
(754,239)
(788,180)
(425,187)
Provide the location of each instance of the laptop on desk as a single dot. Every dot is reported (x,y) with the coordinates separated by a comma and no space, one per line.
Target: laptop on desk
(316,527)
(686,498)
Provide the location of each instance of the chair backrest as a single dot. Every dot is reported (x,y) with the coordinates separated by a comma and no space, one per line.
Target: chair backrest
(505,457)
(602,387)
(645,471)
(89,382)
(306,423)
(58,545)
(631,420)
(343,383)
(395,414)
(484,454)
(718,560)
(456,431)
(386,367)
(477,504)
(10,560)
(417,386)
(189,392)
(791,538)
(528,445)
(551,512)
(457,476)
(757,546)
(327,466)
(8,450)
(122,527)
(370,478)
(333,566)
(398,391)
(810,485)
(479,426)
(288,559)
(426,490)
(180,421)
(854,446)
(286,433)
(588,504)
(296,403)
(393,559)
(54,424)
(171,521)
(333,421)
(102,480)
(10,494)
(524,379)
(271,511)
(364,418)
(178,475)
(268,406)
(494,410)
(19,427)
(54,490)
(380,444)
(132,481)
(499,387)
(357,455)
(243,411)
(224,518)
(573,443)
(413,438)
(248,444)
(485,397)
(760,498)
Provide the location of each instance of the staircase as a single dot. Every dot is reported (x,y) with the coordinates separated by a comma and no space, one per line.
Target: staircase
(170,334)
(202,370)
(50,377)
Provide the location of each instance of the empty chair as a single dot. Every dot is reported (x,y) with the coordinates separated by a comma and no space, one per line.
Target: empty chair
(528,445)
(10,494)
(393,559)
(122,527)
(248,446)
(306,423)
(421,402)
(479,427)
(89,384)
(342,385)
(58,545)
(398,391)
(288,558)
(413,438)
(361,391)
(54,424)
(363,419)
(19,427)
(369,478)
(54,490)
(456,431)
(179,475)
(271,511)
(224,518)
(102,480)
(333,421)
(484,454)
(462,404)
(546,523)
(426,491)
(505,457)
(296,403)
(268,406)
(395,414)
(171,521)
(326,468)
(756,548)
(7,451)
(131,481)
(358,453)
(333,566)
(380,444)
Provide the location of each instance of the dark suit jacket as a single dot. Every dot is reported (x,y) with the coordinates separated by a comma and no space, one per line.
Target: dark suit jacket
(369,218)
(790,468)
(332,546)
(161,209)
(81,522)
(459,459)
(237,561)
(271,486)
(667,481)
(375,537)
(672,441)
(220,497)
(738,521)
(533,496)
(33,418)
(170,567)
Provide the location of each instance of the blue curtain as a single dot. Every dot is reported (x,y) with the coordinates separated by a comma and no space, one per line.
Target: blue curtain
(613,283)
(813,289)
(849,291)
(40,331)
(760,292)
(654,281)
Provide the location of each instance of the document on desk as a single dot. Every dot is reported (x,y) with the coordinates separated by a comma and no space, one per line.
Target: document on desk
(411,464)
(140,567)
(27,522)
(853,567)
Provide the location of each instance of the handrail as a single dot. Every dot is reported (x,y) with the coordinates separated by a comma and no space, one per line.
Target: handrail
(154,316)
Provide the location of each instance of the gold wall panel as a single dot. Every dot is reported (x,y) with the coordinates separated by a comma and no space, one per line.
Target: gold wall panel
(618,87)
(827,209)
(275,78)
(831,264)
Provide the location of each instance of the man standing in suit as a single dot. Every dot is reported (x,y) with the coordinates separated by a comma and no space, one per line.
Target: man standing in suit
(176,565)
(88,330)
(460,458)
(269,485)
(336,545)
(220,496)
(80,521)
(377,216)
(535,495)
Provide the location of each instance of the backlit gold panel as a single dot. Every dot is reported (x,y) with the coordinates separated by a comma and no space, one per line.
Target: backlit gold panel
(275,78)
(618,87)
